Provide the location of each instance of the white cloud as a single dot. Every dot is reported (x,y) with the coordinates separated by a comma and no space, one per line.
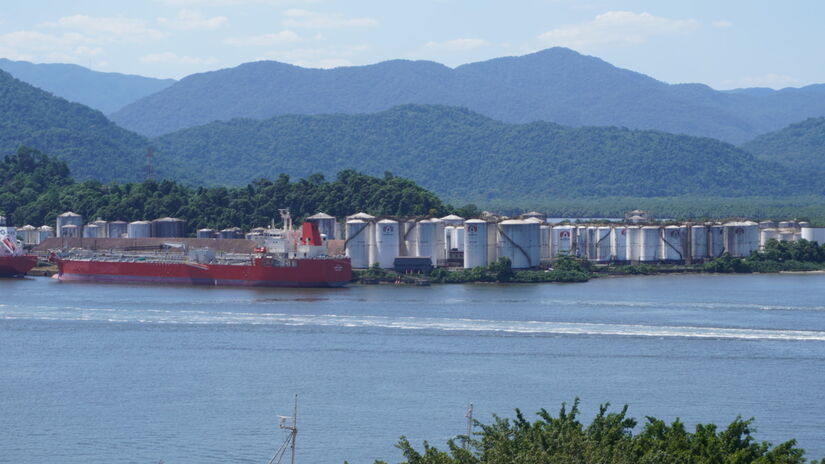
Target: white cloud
(774,81)
(173,58)
(324,57)
(722,24)
(313,20)
(108,29)
(264,40)
(616,28)
(192,20)
(68,47)
(456,45)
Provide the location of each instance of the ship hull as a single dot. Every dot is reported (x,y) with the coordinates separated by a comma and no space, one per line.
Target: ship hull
(304,273)
(16,266)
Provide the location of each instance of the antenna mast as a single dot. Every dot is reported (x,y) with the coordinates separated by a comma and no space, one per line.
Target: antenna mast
(287,218)
(470,424)
(290,426)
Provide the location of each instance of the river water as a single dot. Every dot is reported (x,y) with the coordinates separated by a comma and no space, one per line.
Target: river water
(101,373)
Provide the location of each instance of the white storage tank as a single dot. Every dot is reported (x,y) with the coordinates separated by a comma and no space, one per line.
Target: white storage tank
(634,243)
(169,227)
(448,238)
(409,232)
(440,246)
(44,232)
(698,241)
(492,243)
(603,245)
(386,243)
(546,233)
(514,242)
(650,244)
(618,243)
(358,239)
(475,243)
(717,240)
(741,238)
(591,239)
(327,225)
(139,229)
(674,243)
(205,233)
(813,234)
(68,218)
(458,238)
(71,230)
(563,239)
(425,240)
(453,220)
(92,231)
(29,234)
(117,229)
(768,234)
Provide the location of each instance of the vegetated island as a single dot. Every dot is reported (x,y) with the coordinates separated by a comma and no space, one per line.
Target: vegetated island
(609,438)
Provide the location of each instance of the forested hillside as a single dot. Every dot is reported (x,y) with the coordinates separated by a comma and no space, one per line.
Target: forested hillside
(800,145)
(92,146)
(35,188)
(462,155)
(557,85)
(106,92)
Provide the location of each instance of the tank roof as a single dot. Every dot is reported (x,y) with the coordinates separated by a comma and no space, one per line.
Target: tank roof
(361,215)
(27,227)
(168,219)
(321,216)
(387,221)
(509,222)
(475,221)
(452,217)
(69,214)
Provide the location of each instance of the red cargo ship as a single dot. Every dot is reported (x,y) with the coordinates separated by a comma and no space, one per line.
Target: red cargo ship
(285,259)
(13,263)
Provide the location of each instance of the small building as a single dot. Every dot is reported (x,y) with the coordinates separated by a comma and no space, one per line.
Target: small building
(413,265)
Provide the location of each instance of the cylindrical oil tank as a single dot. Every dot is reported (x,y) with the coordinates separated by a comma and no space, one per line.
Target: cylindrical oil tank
(591,240)
(784,224)
(546,233)
(168,227)
(29,234)
(118,229)
(603,248)
(717,240)
(741,238)
(813,234)
(767,224)
(458,235)
(475,243)
(453,220)
(386,243)
(326,224)
(768,234)
(674,243)
(71,230)
(205,233)
(618,243)
(425,240)
(103,228)
(580,242)
(534,231)
(492,243)
(449,239)
(231,233)
(92,231)
(44,232)
(634,243)
(408,235)
(68,218)
(139,229)
(650,243)
(439,247)
(514,242)
(358,240)
(698,241)
(562,242)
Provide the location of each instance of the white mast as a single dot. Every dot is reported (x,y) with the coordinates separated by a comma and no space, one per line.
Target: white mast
(290,426)
(470,423)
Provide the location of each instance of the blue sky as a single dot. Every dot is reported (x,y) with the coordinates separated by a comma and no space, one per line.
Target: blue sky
(722,43)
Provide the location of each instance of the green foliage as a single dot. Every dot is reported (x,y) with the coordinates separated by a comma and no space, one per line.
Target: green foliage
(36,188)
(501,270)
(609,438)
(800,145)
(727,264)
(463,155)
(92,146)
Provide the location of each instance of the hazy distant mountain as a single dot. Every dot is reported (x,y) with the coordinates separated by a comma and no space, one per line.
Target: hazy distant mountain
(107,92)
(91,145)
(800,146)
(556,84)
(462,155)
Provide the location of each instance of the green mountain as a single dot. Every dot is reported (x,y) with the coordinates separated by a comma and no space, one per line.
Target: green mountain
(93,146)
(103,91)
(459,154)
(556,84)
(800,145)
